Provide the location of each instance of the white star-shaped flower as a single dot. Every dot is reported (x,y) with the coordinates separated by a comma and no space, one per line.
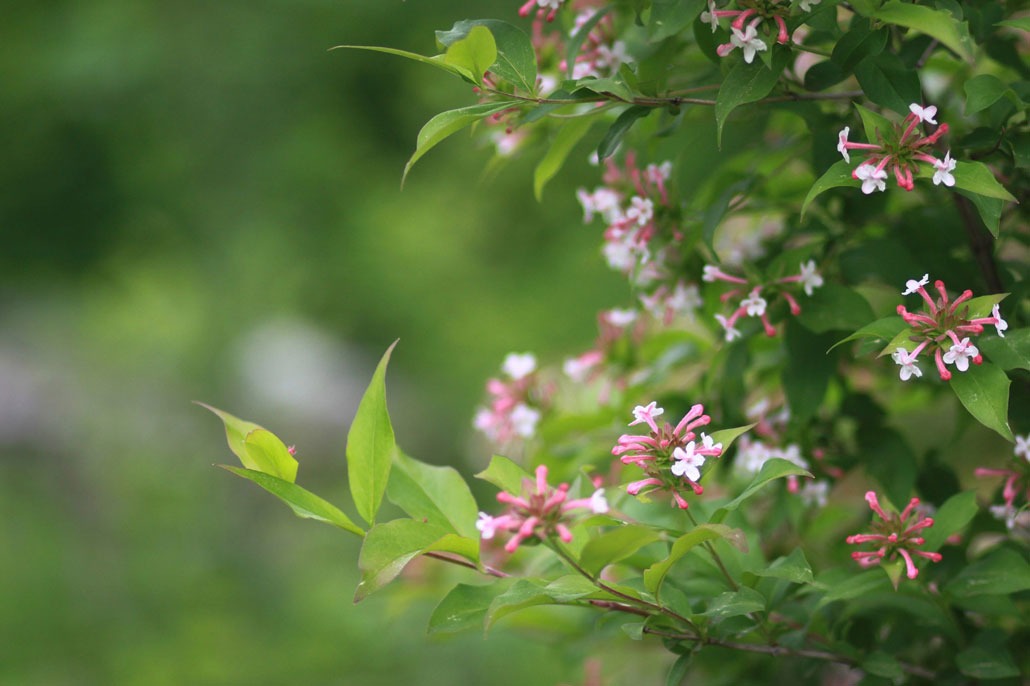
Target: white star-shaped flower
(519,366)
(1000,324)
(810,279)
(842,143)
(907,363)
(911,286)
(960,353)
(872,179)
(748,41)
(754,303)
(926,114)
(943,169)
(686,462)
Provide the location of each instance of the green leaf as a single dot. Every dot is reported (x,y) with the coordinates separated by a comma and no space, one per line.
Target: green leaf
(568,135)
(982,305)
(735,603)
(837,176)
(879,332)
(883,664)
(950,519)
(437,61)
(1002,572)
(987,658)
(888,82)
(505,474)
(1011,352)
(577,38)
(773,469)
(861,584)
(793,568)
(833,307)
(679,670)
(976,177)
(890,460)
(615,545)
(435,494)
(984,392)
(655,574)
(984,90)
(615,133)
(525,593)
(613,87)
(1021,23)
(463,608)
(727,436)
(990,209)
(669,17)
(389,547)
(257,448)
(935,23)
(304,503)
(370,445)
(475,53)
(446,123)
(809,368)
(744,84)
(516,59)
(856,44)
(873,123)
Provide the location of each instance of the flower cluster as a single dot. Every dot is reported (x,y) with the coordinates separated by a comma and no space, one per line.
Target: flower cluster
(900,150)
(514,406)
(600,54)
(1017,483)
(944,329)
(754,305)
(541,511)
(548,8)
(895,535)
(744,27)
(669,456)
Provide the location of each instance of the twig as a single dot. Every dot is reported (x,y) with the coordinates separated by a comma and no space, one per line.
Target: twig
(490,571)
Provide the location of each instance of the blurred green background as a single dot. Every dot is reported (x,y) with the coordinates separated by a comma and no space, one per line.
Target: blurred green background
(198,201)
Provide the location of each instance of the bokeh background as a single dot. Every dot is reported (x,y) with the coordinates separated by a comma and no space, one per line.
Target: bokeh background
(199,201)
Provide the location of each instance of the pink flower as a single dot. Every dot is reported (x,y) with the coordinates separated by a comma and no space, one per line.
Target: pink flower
(894,535)
(646,414)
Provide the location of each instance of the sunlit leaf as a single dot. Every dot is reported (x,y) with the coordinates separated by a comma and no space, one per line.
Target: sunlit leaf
(257,448)
(936,23)
(446,123)
(504,474)
(656,573)
(435,494)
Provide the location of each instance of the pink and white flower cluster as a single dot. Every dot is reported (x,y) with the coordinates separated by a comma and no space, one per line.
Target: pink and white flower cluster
(670,456)
(540,511)
(894,535)
(900,151)
(754,305)
(600,54)
(1016,486)
(544,8)
(744,27)
(514,409)
(943,329)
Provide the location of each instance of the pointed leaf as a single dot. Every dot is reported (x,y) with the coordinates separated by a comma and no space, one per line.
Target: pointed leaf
(655,574)
(516,59)
(950,519)
(568,135)
(370,445)
(504,474)
(984,392)
(263,453)
(793,568)
(463,608)
(735,603)
(389,547)
(1002,572)
(773,469)
(1011,352)
(880,332)
(669,17)
(837,176)
(446,123)
(727,436)
(888,82)
(745,83)
(475,53)
(984,90)
(977,177)
(302,502)
(435,494)
(435,61)
(615,545)
(619,128)
(936,23)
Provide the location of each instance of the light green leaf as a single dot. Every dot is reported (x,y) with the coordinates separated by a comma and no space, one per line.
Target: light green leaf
(793,568)
(745,83)
(976,177)
(257,448)
(727,436)
(525,593)
(446,123)
(773,469)
(568,135)
(837,176)
(435,61)
(463,608)
(880,332)
(1021,23)
(655,574)
(504,474)
(516,59)
(935,23)
(615,545)
(984,392)
(982,305)
(874,124)
(435,494)
(302,502)
(614,86)
(370,445)
(861,584)
(1002,572)
(735,603)
(950,519)
(1011,352)
(475,53)
(389,547)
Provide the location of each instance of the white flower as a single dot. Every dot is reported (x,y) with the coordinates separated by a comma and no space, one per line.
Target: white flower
(524,420)
(1001,325)
(686,462)
(960,354)
(871,178)
(646,413)
(487,526)
(708,16)
(1022,448)
(709,443)
(641,210)
(710,273)
(519,366)
(943,169)
(815,493)
(810,279)
(619,255)
(754,303)
(842,141)
(907,363)
(684,298)
(621,318)
(911,286)
(658,172)
(806,5)
(748,41)
(731,332)
(598,503)
(926,114)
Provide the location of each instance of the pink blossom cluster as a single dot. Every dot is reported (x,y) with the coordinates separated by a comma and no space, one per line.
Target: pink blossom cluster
(754,305)
(744,27)
(1017,483)
(670,456)
(544,8)
(541,511)
(515,400)
(944,329)
(600,54)
(894,535)
(900,150)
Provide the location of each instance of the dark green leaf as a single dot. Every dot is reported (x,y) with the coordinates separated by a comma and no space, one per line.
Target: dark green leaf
(936,23)
(435,494)
(860,584)
(1004,571)
(793,568)
(984,90)
(889,459)
(987,658)
(888,82)
(950,519)
(882,664)
(1011,352)
(446,123)
(615,133)
(874,124)
(744,84)
(834,308)
(857,44)
(370,445)
(669,17)
(302,502)
(735,603)
(808,371)
(984,392)
(837,176)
